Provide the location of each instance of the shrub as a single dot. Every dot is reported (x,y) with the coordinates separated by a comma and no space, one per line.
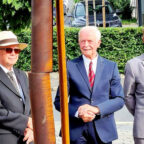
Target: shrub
(118,44)
(24,62)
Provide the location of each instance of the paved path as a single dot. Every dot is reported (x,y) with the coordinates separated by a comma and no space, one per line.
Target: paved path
(124,133)
(123,118)
(131,25)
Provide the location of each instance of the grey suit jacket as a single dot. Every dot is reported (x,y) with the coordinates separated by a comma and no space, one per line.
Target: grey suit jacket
(134,93)
(14,112)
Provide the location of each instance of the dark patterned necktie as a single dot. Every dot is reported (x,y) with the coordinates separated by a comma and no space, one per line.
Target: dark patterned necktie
(91,75)
(11,77)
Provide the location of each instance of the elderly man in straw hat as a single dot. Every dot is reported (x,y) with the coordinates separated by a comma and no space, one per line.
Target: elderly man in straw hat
(15,121)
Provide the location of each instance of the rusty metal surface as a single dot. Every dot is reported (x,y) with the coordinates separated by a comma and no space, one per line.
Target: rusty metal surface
(42,35)
(62,72)
(42,112)
(39,78)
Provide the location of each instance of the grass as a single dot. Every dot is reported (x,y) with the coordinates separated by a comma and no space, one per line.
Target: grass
(130,21)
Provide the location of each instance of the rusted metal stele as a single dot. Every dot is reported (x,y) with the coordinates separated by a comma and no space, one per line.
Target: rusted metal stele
(62,72)
(39,78)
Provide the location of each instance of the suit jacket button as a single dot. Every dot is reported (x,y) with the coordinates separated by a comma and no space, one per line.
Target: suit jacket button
(20,99)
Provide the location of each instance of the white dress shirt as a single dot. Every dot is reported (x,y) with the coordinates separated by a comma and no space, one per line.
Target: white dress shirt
(87,62)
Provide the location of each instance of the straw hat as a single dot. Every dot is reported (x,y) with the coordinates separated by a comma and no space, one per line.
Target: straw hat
(8,38)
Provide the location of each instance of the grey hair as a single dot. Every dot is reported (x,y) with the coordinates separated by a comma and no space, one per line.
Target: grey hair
(95,30)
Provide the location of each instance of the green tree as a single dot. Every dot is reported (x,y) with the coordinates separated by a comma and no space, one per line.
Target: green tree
(76,1)
(124,7)
(15,14)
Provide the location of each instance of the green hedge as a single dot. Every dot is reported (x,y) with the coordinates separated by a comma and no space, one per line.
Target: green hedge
(118,44)
(24,62)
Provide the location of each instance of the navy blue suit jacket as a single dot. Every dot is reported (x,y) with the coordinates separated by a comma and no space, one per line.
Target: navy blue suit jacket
(107,95)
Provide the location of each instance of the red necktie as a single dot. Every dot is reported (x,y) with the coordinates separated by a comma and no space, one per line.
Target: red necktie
(91,75)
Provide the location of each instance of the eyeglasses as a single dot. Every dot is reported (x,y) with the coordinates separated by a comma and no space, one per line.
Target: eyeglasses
(10,50)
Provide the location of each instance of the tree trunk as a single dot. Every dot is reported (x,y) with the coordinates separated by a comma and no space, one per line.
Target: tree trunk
(94,10)
(87,14)
(103,12)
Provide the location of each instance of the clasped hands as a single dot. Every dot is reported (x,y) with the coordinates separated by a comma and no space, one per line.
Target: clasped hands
(28,133)
(87,112)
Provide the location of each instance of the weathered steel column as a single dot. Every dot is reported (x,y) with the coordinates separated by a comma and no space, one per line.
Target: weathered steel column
(62,72)
(39,78)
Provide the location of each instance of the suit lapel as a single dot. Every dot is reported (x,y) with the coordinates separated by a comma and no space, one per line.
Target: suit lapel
(82,70)
(6,81)
(23,87)
(99,70)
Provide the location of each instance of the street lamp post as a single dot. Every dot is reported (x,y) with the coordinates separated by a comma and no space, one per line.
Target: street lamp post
(139,13)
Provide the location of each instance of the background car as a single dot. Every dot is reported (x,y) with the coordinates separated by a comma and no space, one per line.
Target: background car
(79,15)
(54,16)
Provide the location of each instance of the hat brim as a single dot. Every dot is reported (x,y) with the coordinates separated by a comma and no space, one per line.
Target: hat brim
(21,46)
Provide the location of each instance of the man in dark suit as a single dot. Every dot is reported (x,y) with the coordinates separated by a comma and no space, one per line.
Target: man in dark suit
(95,93)
(15,121)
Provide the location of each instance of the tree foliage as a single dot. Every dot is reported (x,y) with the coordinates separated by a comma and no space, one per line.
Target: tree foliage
(15,14)
(76,1)
(124,6)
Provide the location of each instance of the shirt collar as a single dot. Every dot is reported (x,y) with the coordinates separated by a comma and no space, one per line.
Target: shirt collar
(87,60)
(5,69)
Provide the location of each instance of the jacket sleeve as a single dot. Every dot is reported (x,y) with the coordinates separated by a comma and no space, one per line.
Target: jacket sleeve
(72,108)
(129,89)
(57,98)
(15,121)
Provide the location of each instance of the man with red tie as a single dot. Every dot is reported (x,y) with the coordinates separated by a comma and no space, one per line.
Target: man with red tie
(95,93)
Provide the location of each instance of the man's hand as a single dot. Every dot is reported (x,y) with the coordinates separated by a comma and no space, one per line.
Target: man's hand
(87,112)
(84,108)
(87,116)
(28,135)
(29,124)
